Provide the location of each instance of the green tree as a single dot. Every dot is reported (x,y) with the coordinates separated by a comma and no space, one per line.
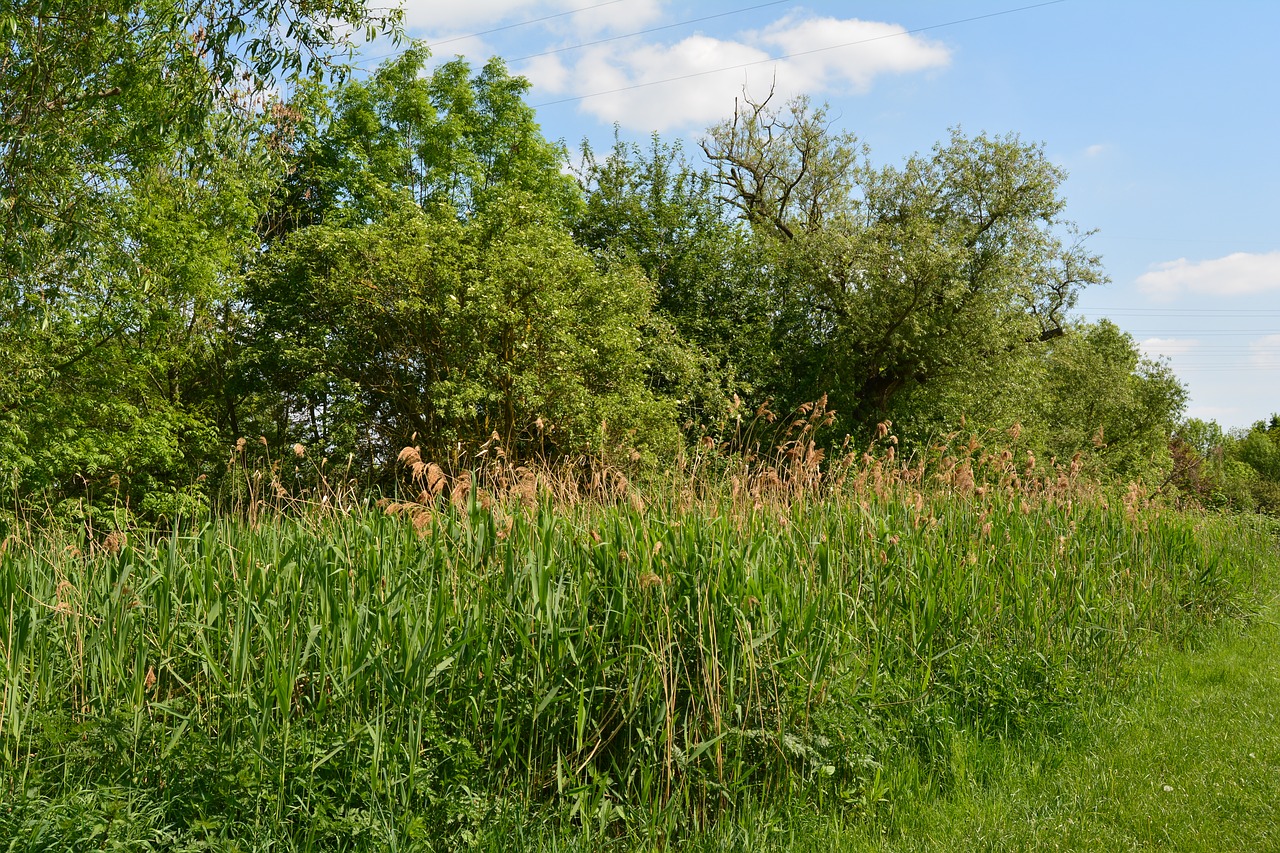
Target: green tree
(118,371)
(450,142)
(898,287)
(126,212)
(1101,397)
(709,338)
(453,332)
(93,93)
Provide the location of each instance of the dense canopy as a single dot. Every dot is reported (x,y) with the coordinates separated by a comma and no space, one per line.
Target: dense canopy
(361,264)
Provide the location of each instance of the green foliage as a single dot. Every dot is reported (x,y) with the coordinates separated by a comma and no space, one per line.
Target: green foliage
(364,682)
(127,212)
(1240,470)
(94,93)
(896,286)
(653,209)
(454,332)
(406,255)
(450,142)
(1100,396)
(117,388)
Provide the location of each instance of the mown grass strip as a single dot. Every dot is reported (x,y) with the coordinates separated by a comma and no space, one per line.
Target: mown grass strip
(1190,761)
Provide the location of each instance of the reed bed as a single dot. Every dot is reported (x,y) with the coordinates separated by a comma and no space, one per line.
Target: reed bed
(452,669)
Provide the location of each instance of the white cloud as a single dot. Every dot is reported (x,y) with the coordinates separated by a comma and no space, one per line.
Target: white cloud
(547,74)
(1095,150)
(1238,274)
(1265,352)
(614,18)
(432,18)
(693,101)
(1167,347)
(435,17)
(695,91)
(873,49)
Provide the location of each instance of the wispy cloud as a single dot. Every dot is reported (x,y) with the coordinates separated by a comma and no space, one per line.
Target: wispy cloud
(706,93)
(825,56)
(433,19)
(1167,347)
(1265,352)
(1238,274)
(1095,150)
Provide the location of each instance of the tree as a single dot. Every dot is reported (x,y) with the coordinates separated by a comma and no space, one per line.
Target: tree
(649,207)
(449,142)
(1100,396)
(93,93)
(445,332)
(784,169)
(127,207)
(943,274)
(117,373)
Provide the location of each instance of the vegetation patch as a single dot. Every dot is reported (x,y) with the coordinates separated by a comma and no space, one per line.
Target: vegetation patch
(369,680)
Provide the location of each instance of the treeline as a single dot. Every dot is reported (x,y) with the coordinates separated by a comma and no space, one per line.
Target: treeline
(1239,469)
(406,259)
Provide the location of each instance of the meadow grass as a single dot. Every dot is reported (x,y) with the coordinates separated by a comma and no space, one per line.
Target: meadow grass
(1185,757)
(575,676)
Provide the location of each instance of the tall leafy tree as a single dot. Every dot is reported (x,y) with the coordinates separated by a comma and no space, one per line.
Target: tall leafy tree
(441,332)
(450,142)
(651,208)
(942,274)
(422,281)
(1098,395)
(92,93)
(124,201)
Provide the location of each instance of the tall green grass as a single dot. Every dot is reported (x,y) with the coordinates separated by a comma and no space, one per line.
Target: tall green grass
(618,675)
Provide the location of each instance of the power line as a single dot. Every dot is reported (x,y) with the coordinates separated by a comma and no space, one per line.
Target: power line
(364,62)
(527,23)
(794,55)
(1207,313)
(648,31)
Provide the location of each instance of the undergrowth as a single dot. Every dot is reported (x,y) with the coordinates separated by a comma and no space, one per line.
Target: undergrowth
(500,658)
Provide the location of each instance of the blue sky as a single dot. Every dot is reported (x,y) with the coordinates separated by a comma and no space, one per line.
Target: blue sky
(1165,115)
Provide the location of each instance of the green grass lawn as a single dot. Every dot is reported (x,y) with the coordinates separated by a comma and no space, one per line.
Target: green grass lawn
(1190,760)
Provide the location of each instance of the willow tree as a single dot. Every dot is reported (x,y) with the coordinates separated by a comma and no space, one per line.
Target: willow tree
(898,285)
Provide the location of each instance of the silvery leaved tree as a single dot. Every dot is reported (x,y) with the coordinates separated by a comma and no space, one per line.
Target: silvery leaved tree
(898,288)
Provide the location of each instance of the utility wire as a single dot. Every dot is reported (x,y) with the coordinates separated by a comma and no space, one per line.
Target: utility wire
(648,31)
(1207,313)
(364,62)
(793,55)
(527,23)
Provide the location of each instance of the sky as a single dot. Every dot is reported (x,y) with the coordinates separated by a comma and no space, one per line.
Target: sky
(1165,115)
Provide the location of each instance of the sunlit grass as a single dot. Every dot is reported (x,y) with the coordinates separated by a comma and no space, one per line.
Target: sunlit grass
(603,674)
